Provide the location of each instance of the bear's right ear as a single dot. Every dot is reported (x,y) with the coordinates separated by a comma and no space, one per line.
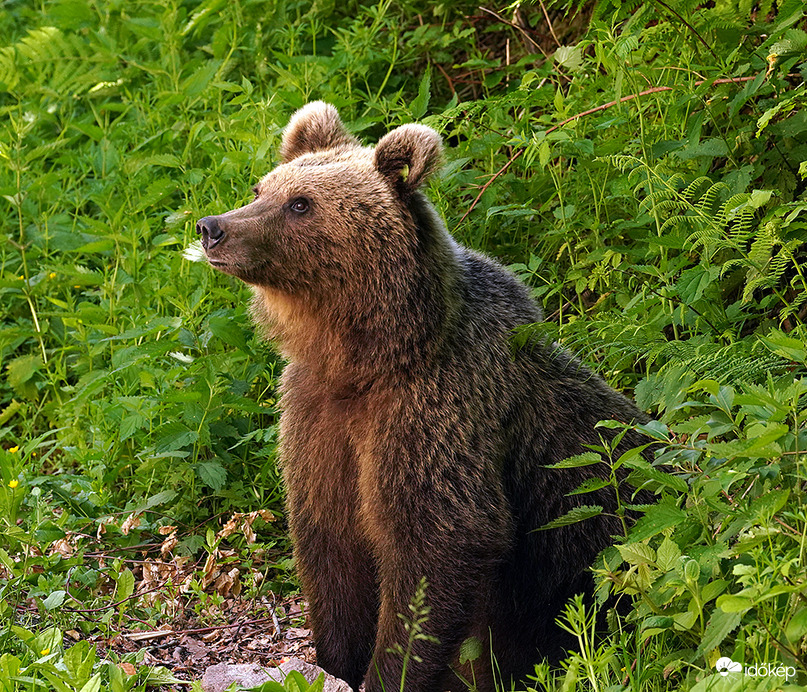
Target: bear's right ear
(315,127)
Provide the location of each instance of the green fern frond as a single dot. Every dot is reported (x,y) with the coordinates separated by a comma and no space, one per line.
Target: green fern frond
(794,306)
(741,361)
(51,61)
(691,191)
(709,200)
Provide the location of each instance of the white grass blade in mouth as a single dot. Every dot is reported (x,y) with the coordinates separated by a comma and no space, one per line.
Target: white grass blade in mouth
(195,252)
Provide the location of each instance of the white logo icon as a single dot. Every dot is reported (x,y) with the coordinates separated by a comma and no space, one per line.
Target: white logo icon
(725,666)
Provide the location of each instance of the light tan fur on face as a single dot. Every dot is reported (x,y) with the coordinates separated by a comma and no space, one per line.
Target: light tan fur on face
(297,329)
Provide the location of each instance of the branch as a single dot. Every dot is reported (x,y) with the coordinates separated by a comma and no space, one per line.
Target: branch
(577,116)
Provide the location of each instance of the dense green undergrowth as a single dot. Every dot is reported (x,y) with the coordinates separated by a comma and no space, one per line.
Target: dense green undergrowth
(641,165)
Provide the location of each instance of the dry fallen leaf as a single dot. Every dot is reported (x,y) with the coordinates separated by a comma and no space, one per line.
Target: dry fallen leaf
(169,544)
(128,668)
(63,547)
(243,521)
(132,522)
(230,582)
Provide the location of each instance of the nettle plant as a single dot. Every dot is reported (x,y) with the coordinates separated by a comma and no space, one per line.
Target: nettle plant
(718,569)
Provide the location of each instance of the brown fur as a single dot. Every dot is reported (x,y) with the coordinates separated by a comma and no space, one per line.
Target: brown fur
(413,439)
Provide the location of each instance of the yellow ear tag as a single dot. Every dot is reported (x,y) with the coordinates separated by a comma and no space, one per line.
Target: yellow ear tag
(405,172)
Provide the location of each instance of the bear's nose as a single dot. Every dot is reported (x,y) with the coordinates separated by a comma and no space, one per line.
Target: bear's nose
(211,231)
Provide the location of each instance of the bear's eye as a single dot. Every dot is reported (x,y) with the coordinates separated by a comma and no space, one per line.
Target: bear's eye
(299,205)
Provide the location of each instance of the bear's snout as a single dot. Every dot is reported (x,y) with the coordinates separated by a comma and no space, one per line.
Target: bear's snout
(211,230)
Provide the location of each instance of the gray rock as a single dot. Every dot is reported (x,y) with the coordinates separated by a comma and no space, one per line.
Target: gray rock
(219,677)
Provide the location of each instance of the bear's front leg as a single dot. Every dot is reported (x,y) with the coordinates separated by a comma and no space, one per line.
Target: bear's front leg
(450,525)
(339,583)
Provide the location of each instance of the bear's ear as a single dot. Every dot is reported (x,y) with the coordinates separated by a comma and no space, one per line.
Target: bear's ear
(315,127)
(408,155)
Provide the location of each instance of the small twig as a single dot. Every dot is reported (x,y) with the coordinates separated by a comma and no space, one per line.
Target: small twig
(145,636)
(559,311)
(689,26)
(788,527)
(212,628)
(590,111)
(516,27)
(275,622)
(448,79)
(144,547)
(548,22)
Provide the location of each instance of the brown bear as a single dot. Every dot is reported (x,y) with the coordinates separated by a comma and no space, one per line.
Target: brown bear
(414,436)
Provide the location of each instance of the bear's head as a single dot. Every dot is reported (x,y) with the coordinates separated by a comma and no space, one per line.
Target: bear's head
(334,217)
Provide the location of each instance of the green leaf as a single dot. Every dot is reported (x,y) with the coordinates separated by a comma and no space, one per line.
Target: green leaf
(230,332)
(20,372)
(569,57)
(797,626)
(667,555)
(713,589)
(124,585)
(637,554)
(93,684)
(730,603)
(9,666)
(769,504)
(720,625)
(692,283)
(643,468)
(198,81)
(173,436)
(130,425)
(268,686)
(711,148)
(54,600)
(786,346)
(692,571)
(573,516)
(579,460)
(212,474)
(420,103)
(589,485)
(318,685)
(685,620)
(759,198)
(9,411)
(296,682)
(54,676)
(544,153)
(79,660)
(470,650)
(655,520)
(655,430)
(152,501)
(160,675)
(657,621)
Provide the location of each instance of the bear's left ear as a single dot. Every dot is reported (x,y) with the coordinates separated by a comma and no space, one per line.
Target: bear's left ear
(315,127)
(408,155)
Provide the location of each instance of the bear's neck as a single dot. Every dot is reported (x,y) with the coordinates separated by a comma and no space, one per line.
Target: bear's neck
(396,324)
